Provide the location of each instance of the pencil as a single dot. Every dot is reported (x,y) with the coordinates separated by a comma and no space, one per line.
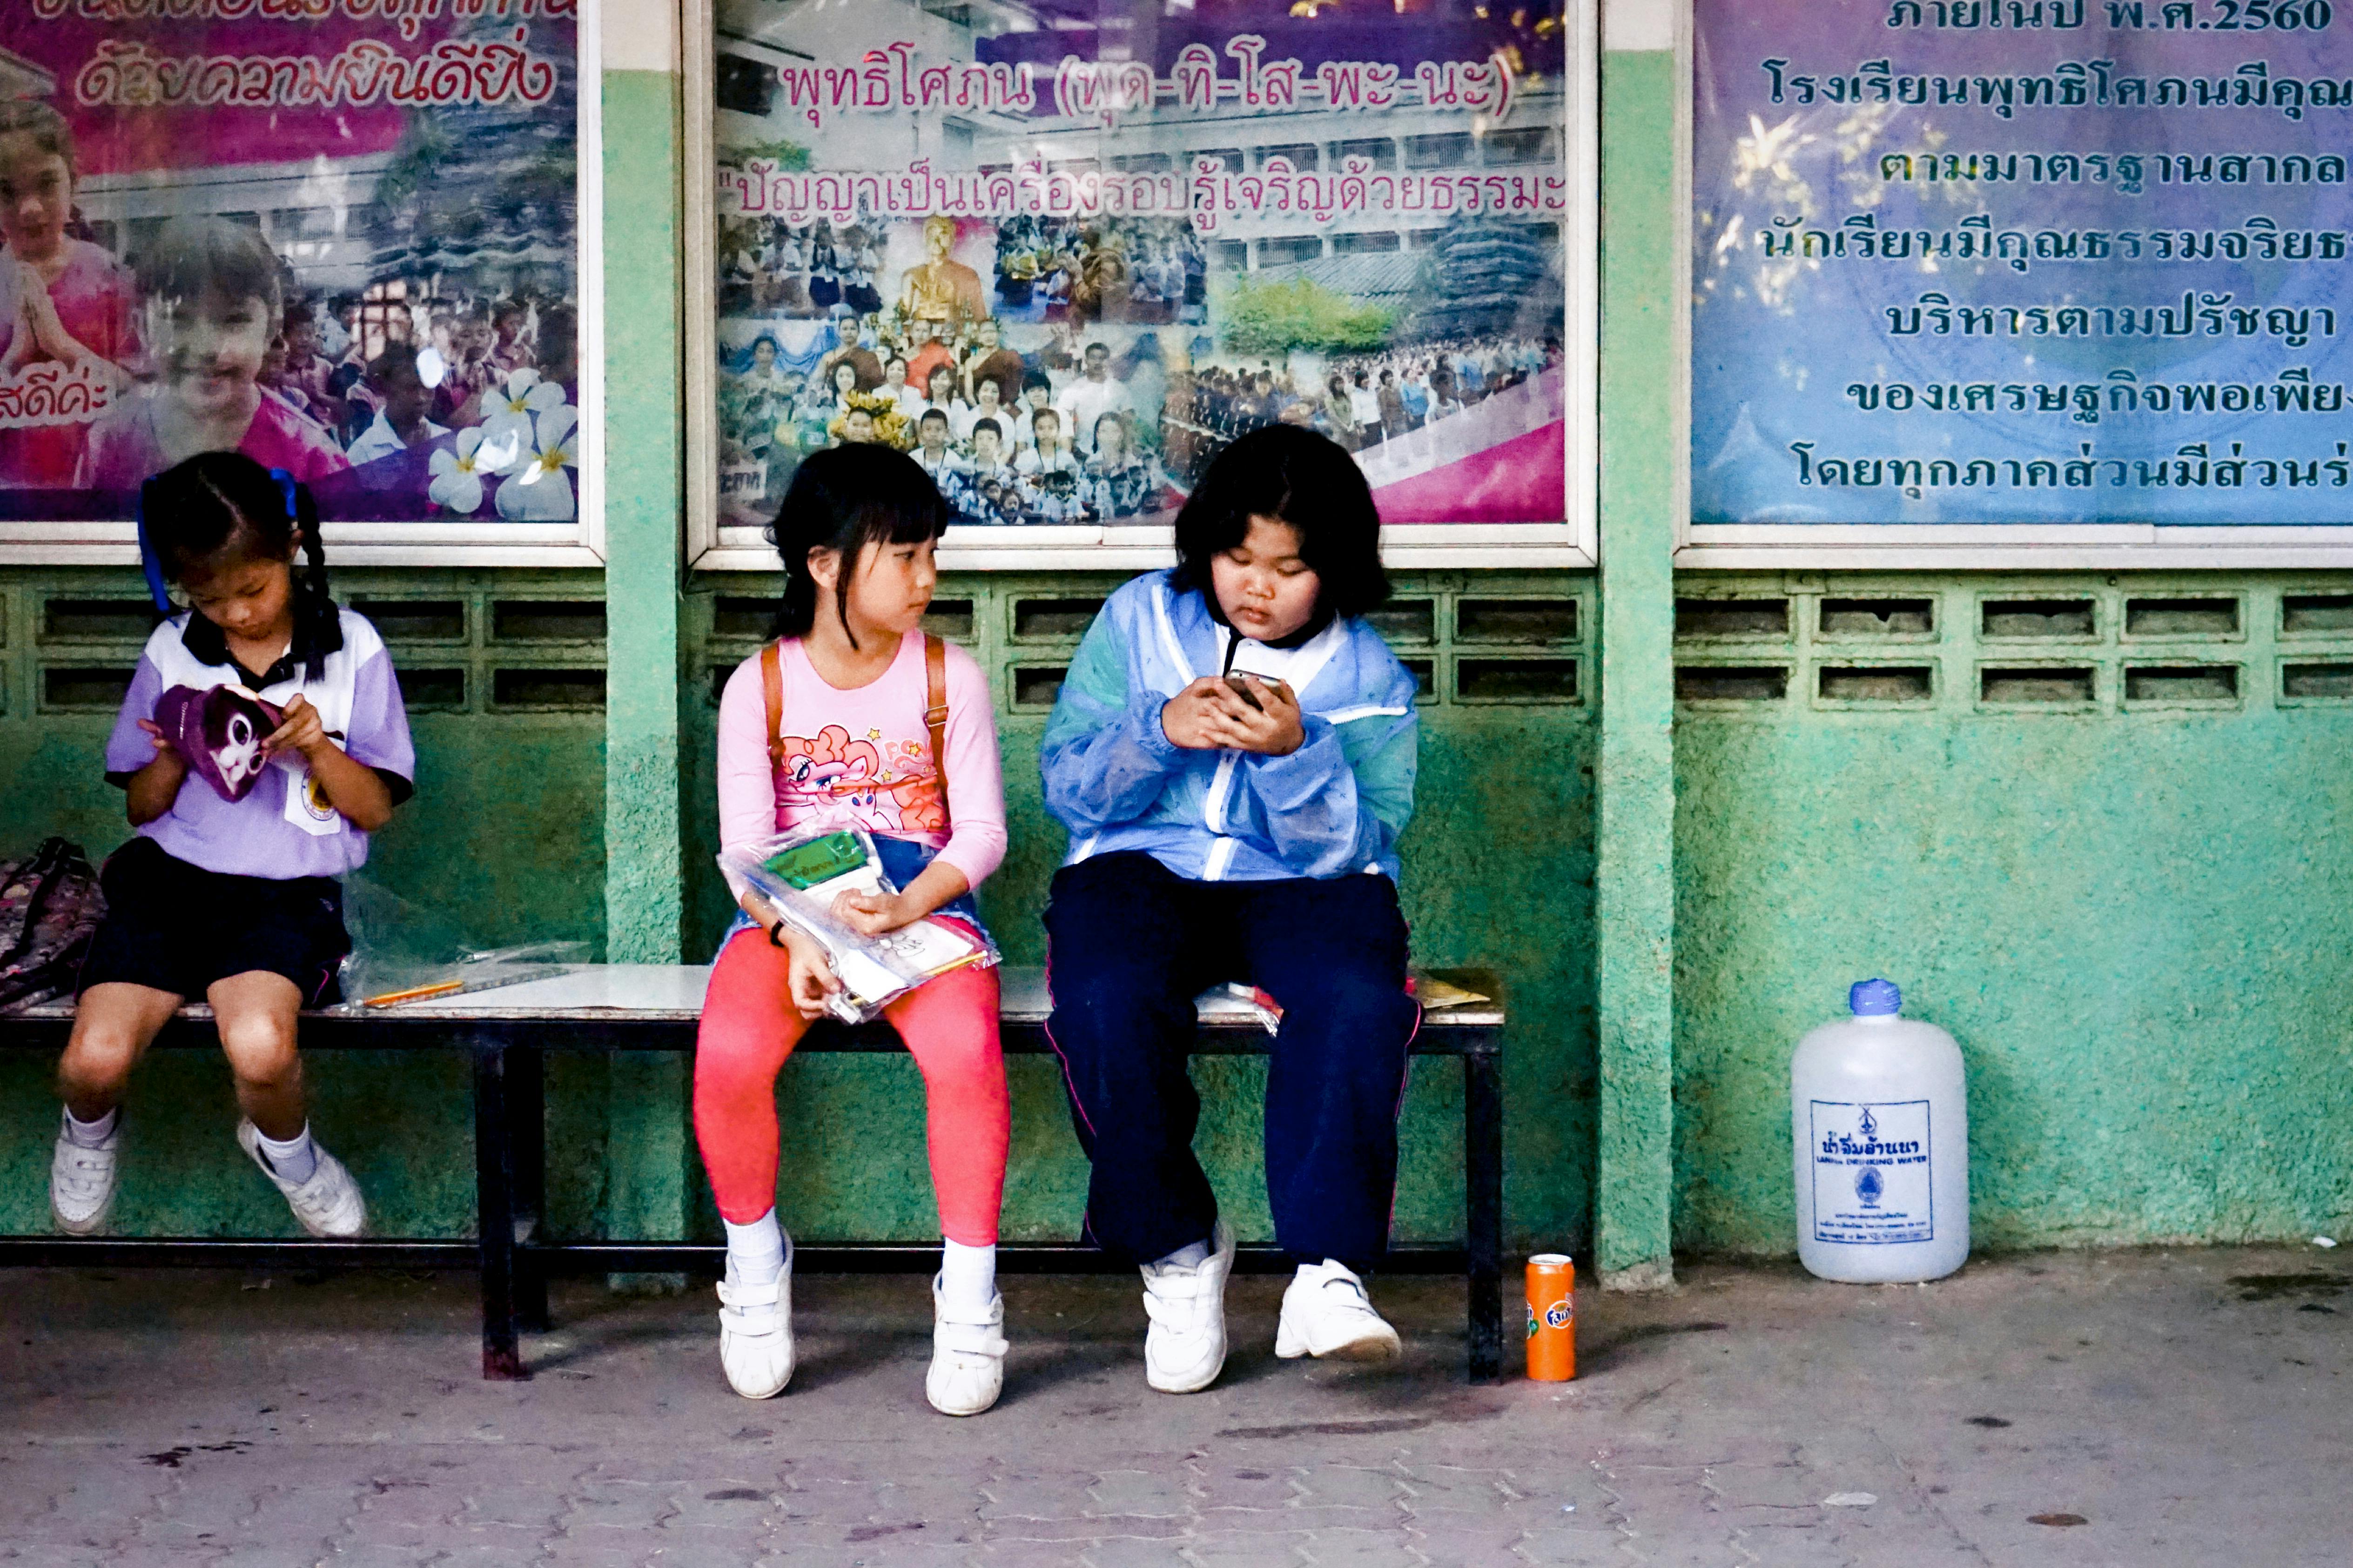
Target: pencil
(417,993)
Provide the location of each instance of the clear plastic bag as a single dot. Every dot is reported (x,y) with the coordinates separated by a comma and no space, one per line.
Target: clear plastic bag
(800,874)
(402,952)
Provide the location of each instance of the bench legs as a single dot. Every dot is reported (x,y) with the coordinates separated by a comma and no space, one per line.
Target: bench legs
(527,1117)
(510,1173)
(494,1189)
(1482,1202)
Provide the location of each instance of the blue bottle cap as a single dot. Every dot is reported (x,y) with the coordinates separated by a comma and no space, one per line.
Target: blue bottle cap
(1874,999)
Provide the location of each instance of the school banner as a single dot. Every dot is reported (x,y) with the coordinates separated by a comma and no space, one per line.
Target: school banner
(1064,262)
(2019,262)
(336,234)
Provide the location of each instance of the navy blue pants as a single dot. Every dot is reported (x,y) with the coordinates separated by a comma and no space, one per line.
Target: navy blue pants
(1131,944)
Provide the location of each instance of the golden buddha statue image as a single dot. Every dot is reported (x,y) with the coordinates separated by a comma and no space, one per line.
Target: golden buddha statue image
(941,289)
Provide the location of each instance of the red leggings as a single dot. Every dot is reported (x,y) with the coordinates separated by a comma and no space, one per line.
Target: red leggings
(749,1028)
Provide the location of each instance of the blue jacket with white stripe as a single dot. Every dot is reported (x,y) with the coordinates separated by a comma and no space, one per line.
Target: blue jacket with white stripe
(1332,808)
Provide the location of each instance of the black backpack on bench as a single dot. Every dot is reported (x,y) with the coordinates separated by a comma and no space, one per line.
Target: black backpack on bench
(49,909)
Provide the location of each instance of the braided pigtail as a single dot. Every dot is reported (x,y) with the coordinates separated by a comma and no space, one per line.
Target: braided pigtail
(316,603)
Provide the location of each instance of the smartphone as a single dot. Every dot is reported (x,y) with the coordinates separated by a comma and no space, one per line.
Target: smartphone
(1243,690)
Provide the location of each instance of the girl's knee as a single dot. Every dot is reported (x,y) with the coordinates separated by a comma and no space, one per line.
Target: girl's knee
(261,1048)
(96,1063)
(960,1053)
(738,1058)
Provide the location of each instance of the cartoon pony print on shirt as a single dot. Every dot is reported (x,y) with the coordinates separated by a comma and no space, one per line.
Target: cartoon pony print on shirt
(889,785)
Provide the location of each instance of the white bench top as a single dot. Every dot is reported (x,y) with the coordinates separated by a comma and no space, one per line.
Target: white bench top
(657,992)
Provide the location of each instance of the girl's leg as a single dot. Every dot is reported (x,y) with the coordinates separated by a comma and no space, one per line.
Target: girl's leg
(256,1014)
(1333,954)
(749,1028)
(950,1025)
(1124,950)
(114,1023)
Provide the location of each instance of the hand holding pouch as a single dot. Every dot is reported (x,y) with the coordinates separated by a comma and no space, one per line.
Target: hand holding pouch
(219,734)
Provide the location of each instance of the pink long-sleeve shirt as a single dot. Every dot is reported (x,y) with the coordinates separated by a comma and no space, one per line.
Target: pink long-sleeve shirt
(865,750)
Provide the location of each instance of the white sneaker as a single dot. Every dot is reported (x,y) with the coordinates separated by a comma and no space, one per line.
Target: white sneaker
(81,1183)
(1184,1349)
(755,1333)
(1325,1313)
(967,1360)
(328,1204)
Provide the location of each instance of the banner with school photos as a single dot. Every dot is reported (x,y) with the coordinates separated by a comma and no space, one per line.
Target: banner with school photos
(341,237)
(1063,257)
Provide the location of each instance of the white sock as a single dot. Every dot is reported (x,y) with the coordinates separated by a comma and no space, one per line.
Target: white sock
(755,1252)
(968,1281)
(1327,1270)
(95,1134)
(297,1158)
(1191,1256)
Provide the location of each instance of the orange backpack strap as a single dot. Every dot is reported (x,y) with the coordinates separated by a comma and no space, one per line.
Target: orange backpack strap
(772,687)
(935,712)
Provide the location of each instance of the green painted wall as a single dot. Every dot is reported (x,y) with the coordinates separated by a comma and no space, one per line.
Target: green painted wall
(1635,936)
(649,1156)
(2127,895)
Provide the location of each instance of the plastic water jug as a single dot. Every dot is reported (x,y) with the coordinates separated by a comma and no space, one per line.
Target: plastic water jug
(1879,1111)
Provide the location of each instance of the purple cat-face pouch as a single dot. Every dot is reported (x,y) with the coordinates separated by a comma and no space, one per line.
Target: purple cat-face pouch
(219,734)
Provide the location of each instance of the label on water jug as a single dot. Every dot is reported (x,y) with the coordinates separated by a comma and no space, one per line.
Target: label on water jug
(1872,1186)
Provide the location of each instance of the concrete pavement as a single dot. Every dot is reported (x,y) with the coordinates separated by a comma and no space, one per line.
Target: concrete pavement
(2147,1408)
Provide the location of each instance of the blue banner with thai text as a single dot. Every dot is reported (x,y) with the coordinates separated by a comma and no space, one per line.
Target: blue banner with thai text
(2016,261)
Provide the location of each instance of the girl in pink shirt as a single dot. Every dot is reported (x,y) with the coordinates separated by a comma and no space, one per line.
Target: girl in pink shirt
(857,531)
(213,305)
(67,308)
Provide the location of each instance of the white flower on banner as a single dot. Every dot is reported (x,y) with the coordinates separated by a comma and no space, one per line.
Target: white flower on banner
(457,482)
(508,410)
(537,489)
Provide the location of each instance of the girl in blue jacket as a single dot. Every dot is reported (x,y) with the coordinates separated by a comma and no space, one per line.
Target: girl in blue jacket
(1233,754)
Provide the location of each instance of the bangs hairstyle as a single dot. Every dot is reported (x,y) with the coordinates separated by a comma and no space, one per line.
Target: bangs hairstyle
(222,508)
(844,499)
(1297,477)
(46,127)
(194,258)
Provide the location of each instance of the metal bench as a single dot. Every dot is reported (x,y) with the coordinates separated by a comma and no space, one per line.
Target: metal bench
(654,1007)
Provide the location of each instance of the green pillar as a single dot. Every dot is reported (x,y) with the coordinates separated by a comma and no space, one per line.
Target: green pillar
(1641,456)
(647,1149)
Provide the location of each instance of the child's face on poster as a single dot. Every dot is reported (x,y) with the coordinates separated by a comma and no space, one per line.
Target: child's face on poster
(211,347)
(405,398)
(36,196)
(858,427)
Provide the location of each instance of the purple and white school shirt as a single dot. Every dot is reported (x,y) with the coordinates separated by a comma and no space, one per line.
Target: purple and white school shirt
(284,829)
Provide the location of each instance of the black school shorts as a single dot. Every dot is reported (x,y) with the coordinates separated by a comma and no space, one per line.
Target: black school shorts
(174,927)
